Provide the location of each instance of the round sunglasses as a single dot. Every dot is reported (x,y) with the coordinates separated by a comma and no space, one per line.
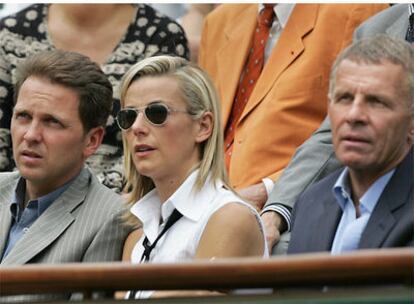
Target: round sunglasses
(155,113)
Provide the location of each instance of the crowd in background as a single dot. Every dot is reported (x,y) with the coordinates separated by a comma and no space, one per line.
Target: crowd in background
(224,130)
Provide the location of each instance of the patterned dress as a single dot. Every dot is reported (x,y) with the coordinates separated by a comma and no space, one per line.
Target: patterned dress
(26,33)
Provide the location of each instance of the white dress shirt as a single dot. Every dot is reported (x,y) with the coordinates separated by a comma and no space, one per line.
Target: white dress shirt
(180,242)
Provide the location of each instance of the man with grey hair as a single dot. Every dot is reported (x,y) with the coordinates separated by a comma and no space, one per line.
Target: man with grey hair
(315,158)
(370,203)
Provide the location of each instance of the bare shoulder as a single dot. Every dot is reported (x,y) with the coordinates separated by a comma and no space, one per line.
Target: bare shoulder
(235,213)
(233,230)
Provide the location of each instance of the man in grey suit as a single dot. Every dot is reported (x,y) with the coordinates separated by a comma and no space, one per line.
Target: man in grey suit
(53,210)
(315,158)
(369,203)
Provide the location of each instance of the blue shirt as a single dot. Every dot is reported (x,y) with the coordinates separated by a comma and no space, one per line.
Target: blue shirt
(350,228)
(23,218)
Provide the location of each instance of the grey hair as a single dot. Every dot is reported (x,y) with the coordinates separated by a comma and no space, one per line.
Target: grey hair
(375,50)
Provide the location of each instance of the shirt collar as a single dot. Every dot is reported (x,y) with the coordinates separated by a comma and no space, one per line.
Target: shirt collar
(370,198)
(190,203)
(410,9)
(18,199)
(146,210)
(342,190)
(282,12)
(43,202)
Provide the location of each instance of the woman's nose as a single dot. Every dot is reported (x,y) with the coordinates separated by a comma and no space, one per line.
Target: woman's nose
(140,125)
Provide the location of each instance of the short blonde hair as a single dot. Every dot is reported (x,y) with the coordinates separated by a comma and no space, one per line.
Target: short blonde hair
(200,96)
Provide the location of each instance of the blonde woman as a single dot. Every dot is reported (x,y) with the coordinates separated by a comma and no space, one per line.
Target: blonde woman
(173,148)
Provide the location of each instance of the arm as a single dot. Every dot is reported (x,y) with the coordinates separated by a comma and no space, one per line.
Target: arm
(382,22)
(256,195)
(313,160)
(129,244)
(224,237)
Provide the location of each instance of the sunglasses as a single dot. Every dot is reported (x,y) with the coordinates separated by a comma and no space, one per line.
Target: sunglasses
(155,113)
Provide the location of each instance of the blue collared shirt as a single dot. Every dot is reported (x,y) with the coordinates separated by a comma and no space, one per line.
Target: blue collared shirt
(23,218)
(350,228)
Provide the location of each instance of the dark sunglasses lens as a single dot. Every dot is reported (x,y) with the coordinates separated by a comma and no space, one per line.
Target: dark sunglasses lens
(126,118)
(156,113)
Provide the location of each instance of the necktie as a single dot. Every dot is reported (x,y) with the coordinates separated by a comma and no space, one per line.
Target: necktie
(174,217)
(252,69)
(410,32)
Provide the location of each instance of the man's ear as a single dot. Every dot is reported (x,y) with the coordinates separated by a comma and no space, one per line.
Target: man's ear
(93,140)
(206,123)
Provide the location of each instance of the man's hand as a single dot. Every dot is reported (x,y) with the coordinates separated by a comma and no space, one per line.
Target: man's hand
(256,195)
(273,224)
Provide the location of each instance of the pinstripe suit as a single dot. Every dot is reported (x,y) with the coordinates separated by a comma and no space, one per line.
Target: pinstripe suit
(82,225)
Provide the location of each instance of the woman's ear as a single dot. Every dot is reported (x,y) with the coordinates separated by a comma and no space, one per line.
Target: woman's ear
(205,127)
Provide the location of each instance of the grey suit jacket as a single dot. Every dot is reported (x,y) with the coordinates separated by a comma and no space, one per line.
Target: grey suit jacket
(317,214)
(83,225)
(392,21)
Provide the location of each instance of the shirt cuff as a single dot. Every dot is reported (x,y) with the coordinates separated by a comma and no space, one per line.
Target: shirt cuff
(268,183)
(284,211)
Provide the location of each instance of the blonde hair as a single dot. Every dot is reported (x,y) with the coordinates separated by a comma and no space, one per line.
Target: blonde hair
(201,97)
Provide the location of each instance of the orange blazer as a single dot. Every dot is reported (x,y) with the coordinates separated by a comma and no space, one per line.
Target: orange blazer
(289,100)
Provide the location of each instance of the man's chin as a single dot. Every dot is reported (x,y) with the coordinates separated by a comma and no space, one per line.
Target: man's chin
(31,175)
(356,163)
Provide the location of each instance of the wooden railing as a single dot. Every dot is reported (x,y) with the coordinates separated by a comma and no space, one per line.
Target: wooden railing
(375,267)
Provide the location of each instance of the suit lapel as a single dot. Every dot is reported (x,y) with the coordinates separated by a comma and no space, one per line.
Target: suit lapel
(232,56)
(395,195)
(288,48)
(5,215)
(51,224)
(328,216)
